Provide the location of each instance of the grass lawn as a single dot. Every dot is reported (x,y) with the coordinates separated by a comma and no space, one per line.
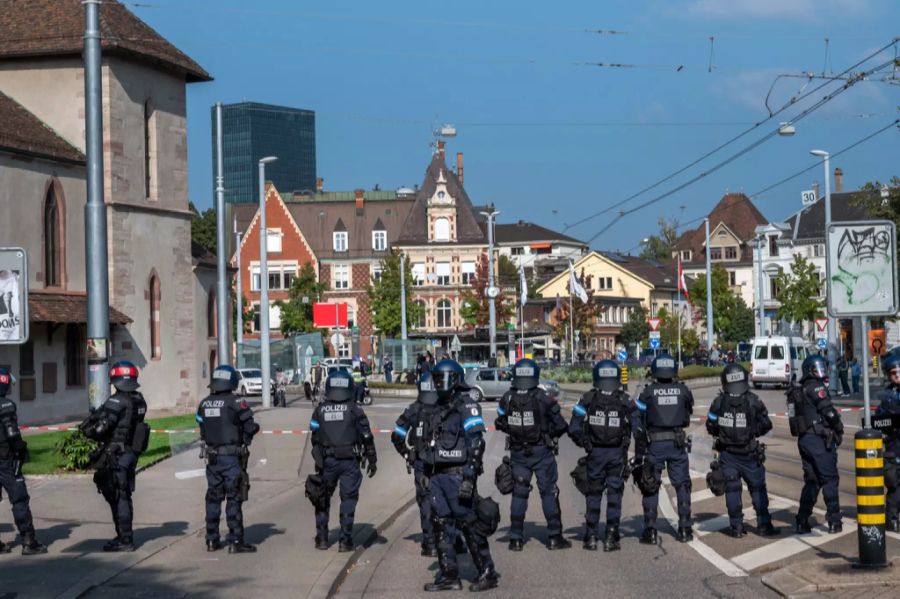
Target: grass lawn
(45,459)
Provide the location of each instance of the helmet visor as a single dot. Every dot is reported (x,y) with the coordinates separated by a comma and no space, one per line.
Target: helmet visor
(444,382)
(607,379)
(525,377)
(339,388)
(818,370)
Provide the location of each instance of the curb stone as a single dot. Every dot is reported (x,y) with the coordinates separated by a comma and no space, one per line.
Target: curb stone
(805,578)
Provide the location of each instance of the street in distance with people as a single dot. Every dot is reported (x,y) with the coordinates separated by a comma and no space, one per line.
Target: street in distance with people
(393,301)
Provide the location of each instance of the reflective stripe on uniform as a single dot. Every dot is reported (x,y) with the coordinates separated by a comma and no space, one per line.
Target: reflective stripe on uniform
(473,421)
(578,409)
(400,430)
(314,424)
(640,405)
(712,417)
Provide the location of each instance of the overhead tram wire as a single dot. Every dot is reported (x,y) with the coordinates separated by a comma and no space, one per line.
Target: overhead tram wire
(824,100)
(818,163)
(730,141)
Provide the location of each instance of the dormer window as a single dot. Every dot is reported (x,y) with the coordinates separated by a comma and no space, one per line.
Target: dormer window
(379,241)
(441,195)
(442,229)
(340,241)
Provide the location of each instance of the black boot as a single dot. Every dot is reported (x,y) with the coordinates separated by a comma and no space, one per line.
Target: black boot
(30,545)
(213,545)
(558,542)
(345,545)
(487,576)
(737,531)
(516,544)
(685,534)
(446,579)
(767,530)
(4,548)
(648,537)
(590,542)
(119,544)
(321,542)
(611,541)
(801,526)
(239,546)
(487,579)
(835,527)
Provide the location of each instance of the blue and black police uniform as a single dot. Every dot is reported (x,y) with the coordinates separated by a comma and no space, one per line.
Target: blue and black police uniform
(601,425)
(818,428)
(888,412)
(453,461)
(737,418)
(13,454)
(341,436)
(227,429)
(661,414)
(118,425)
(533,423)
(409,442)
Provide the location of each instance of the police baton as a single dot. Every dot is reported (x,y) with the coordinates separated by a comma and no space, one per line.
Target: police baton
(870,498)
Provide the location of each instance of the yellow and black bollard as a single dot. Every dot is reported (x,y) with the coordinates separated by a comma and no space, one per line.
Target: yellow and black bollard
(869,445)
(624,377)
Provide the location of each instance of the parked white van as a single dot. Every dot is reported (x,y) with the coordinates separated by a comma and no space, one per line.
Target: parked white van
(775,359)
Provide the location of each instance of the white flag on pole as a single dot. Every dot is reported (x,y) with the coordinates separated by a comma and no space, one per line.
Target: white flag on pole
(575,287)
(523,284)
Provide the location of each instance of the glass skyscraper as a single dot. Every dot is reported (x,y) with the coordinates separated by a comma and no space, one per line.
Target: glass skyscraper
(253,131)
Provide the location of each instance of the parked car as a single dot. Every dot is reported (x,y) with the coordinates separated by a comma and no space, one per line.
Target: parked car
(775,359)
(249,381)
(335,361)
(492,383)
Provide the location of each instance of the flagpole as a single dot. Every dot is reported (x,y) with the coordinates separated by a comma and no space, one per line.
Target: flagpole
(572,327)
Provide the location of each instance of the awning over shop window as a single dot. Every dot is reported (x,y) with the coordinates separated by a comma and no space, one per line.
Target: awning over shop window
(65,308)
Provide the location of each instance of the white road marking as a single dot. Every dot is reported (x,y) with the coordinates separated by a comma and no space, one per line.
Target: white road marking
(701,495)
(789,546)
(186,474)
(719,522)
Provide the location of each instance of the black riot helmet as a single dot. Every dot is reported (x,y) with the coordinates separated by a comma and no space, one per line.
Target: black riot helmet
(339,386)
(124,376)
(735,380)
(891,362)
(448,376)
(5,382)
(526,375)
(664,368)
(427,392)
(607,375)
(224,378)
(815,367)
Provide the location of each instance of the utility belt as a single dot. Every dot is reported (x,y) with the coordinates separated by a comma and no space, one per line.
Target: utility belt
(433,469)
(342,452)
(226,449)
(211,454)
(752,448)
(678,435)
(545,441)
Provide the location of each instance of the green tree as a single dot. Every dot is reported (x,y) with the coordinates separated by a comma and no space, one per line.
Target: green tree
(384,297)
(297,311)
(475,304)
(732,318)
(203,227)
(880,207)
(507,272)
(659,247)
(584,316)
(635,330)
(798,291)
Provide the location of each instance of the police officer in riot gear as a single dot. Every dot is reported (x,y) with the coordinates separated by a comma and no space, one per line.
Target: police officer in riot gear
(533,423)
(737,418)
(226,430)
(889,411)
(453,461)
(818,428)
(601,425)
(661,414)
(410,443)
(341,439)
(13,454)
(119,427)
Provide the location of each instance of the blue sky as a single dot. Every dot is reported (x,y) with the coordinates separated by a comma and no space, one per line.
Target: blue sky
(546,136)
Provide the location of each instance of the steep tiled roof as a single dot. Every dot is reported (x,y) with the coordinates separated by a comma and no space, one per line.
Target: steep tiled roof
(736,211)
(56,28)
(844,207)
(21,131)
(524,232)
(415,229)
(661,276)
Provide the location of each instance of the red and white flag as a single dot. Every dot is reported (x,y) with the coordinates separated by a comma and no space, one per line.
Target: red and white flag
(682,284)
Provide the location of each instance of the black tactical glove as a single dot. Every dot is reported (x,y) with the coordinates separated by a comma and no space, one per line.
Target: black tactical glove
(372,468)
(466,489)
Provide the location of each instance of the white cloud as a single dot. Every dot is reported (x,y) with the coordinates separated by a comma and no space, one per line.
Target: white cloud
(779,9)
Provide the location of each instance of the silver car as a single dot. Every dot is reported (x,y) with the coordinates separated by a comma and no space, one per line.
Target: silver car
(492,383)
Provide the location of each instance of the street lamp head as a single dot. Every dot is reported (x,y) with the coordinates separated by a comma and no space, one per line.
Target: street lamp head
(786,129)
(268,159)
(819,153)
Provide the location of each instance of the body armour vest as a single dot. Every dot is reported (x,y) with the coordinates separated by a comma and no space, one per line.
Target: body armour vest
(525,418)
(666,406)
(736,422)
(337,427)
(219,426)
(446,438)
(420,435)
(606,420)
(135,408)
(802,412)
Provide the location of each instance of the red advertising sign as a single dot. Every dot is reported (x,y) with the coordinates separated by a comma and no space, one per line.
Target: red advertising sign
(329,316)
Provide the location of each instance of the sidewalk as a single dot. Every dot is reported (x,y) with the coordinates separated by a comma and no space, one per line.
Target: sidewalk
(73,519)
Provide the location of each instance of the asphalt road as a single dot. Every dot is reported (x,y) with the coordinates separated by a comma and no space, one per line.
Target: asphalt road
(172,561)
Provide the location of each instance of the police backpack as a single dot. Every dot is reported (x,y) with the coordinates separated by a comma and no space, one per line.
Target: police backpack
(648,480)
(487,516)
(503,477)
(795,410)
(315,489)
(580,477)
(715,479)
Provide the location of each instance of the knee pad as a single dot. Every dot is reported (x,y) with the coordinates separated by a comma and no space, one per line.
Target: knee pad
(215,494)
(520,491)
(615,484)
(18,494)
(351,497)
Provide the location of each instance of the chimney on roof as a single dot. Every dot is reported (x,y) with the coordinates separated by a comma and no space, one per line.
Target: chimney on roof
(320,184)
(838,180)
(459,166)
(360,199)
(815,188)
(440,145)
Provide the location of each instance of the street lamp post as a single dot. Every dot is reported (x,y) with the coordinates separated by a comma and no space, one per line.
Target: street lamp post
(759,286)
(404,335)
(492,290)
(239,298)
(709,302)
(832,331)
(221,288)
(264,286)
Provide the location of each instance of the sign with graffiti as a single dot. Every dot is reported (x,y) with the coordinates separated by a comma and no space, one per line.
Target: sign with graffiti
(13,296)
(862,269)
